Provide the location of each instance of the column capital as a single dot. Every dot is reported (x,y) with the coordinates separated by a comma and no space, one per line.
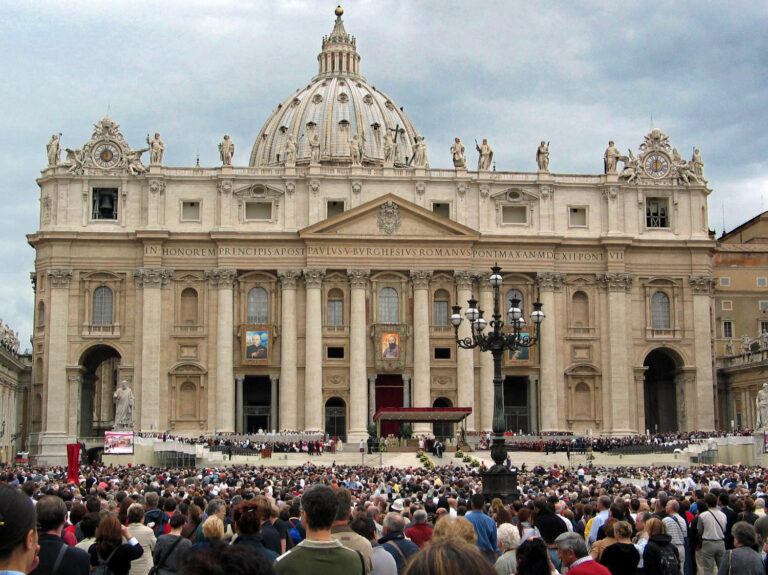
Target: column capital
(152,277)
(313,277)
(484,282)
(288,278)
(463,278)
(615,281)
(221,277)
(550,281)
(358,278)
(702,285)
(274,377)
(59,278)
(420,278)
(240,378)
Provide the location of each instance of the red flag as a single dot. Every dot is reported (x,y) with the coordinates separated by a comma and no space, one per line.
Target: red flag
(73,463)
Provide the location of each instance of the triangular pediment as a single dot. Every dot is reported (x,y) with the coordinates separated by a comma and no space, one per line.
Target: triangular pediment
(389,216)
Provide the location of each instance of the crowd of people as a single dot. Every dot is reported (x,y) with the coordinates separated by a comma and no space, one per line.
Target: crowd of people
(357,519)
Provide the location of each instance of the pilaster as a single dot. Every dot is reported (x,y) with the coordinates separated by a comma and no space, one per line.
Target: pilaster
(222,280)
(702,287)
(421,360)
(288,351)
(549,283)
(313,368)
(465,364)
(358,390)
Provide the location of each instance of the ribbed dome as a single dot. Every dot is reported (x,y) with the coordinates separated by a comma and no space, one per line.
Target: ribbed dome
(336,106)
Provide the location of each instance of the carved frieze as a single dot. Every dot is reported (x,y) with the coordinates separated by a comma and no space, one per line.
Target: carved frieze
(152,277)
(358,278)
(615,281)
(550,280)
(313,277)
(389,217)
(702,284)
(221,277)
(288,278)
(59,278)
(420,278)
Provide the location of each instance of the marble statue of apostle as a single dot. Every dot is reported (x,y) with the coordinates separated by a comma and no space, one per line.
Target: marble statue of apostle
(486,155)
(314,149)
(611,158)
(123,406)
(389,149)
(457,151)
(156,150)
(226,150)
(419,152)
(542,157)
(54,150)
(290,152)
(761,401)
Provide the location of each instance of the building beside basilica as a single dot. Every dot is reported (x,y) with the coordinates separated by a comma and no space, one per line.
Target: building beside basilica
(314,286)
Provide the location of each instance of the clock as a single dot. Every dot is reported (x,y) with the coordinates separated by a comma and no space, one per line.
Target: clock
(106,155)
(656,165)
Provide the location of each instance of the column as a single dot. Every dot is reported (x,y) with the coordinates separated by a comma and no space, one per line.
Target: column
(706,397)
(421,362)
(222,280)
(313,362)
(618,285)
(406,390)
(465,358)
(239,380)
(485,421)
(151,280)
(550,414)
(273,379)
(371,398)
(56,397)
(75,385)
(288,378)
(358,390)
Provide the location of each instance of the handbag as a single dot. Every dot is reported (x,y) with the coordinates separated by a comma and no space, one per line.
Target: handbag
(156,568)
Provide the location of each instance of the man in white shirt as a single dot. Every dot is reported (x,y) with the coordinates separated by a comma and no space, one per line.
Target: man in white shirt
(677,528)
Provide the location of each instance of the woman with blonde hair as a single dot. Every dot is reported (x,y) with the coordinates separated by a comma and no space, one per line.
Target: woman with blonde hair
(447,558)
(599,546)
(213,534)
(454,528)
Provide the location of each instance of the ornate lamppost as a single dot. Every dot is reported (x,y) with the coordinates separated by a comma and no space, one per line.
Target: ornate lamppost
(498,481)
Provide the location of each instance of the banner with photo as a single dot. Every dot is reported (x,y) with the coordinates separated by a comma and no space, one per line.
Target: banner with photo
(118,443)
(256,344)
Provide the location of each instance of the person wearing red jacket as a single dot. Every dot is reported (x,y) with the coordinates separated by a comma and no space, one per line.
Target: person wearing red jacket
(420,532)
(572,550)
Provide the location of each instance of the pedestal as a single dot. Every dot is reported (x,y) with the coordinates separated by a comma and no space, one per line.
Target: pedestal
(501,483)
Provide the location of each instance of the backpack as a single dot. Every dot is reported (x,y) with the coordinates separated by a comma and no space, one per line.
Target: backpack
(294,532)
(157,520)
(102,568)
(670,563)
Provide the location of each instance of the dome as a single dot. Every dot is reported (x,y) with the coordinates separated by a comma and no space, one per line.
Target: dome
(339,107)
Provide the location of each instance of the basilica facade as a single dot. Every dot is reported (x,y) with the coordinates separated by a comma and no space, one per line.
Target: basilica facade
(314,286)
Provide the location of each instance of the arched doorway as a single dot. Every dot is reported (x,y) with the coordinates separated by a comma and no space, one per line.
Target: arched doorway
(442,430)
(336,418)
(98,384)
(661,392)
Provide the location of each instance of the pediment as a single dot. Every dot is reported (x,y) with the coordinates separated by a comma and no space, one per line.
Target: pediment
(388,216)
(515,196)
(258,191)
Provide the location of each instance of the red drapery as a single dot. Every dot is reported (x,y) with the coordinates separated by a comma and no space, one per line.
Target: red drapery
(73,463)
(389,393)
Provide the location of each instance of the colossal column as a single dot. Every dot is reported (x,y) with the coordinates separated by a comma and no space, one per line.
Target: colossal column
(421,372)
(288,377)
(151,280)
(358,389)
(222,280)
(313,362)
(705,398)
(550,414)
(485,421)
(465,358)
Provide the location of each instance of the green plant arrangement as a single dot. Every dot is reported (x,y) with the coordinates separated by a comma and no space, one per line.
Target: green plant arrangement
(405,431)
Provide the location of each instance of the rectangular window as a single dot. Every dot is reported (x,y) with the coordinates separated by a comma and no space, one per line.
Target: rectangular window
(726,305)
(442,353)
(577,217)
(258,211)
(443,210)
(334,208)
(763,326)
(727,329)
(335,312)
(763,305)
(725,282)
(190,211)
(656,213)
(335,353)
(762,282)
(104,204)
(440,313)
(514,215)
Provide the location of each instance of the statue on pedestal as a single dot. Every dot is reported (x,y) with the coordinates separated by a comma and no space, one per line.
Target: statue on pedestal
(761,413)
(156,150)
(54,151)
(389,149)
(419,152)
(226,150)
(457,151)
(745,347)
(611,158)
(314,149)
(290,152)
(486,155)
(123,406)
(542,157)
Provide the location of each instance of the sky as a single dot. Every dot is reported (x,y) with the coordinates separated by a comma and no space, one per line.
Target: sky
(576,74)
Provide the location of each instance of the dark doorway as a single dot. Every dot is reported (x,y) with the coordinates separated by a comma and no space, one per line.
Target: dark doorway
(389,393)
(516,408)
(336,418)
(98,386)
(257,394)
(660,393)
(442,429)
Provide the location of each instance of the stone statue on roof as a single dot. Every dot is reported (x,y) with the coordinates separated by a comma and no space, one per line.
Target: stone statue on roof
(486,155)
(457,152)
(54,150)
(542,156)
(226,150)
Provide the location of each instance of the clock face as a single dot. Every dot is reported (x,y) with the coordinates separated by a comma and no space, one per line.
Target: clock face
(657,165)
(106,154)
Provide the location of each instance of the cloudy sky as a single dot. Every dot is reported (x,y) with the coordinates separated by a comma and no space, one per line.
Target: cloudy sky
(574,73)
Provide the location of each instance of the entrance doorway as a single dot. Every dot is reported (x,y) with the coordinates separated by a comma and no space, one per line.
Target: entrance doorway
(660,392)
(516,408)
(389,393)
(336,418)
(442,430)
(257,393)
(99,383)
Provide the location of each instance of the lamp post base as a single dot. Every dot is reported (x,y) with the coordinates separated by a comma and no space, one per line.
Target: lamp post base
(501,483)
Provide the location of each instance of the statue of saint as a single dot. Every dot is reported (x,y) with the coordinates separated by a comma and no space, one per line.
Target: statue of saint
(486,155)
(457,151)
(226,150)
(761,401)
(611,158)
(729,347)
(745,348)
(698,164)
(290,152)
(389,149)
(123,406)
(354,150)
(314,149)
(54,151)
(419,152)
(156,150)
(542,157)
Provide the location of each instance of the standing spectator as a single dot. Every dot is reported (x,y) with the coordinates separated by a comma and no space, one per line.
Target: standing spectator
(383,562)
(677,529)
(171,549)
(621,558)
(731,517)
(748,514)
(712,529)
(572,550)
(485,527)
(88,525)
(447,558)
(343,533)
(51,517)
(603,510)
(319,552)
(660,556)
(144,535)
(110,549)
(549,526)
(18,537)
(249,525)
(742,559)
(268,533)
(420,532)
(155,518)
(509,539)
(394,540)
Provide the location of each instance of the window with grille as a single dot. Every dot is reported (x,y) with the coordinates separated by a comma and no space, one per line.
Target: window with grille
(258,301)
(389,306)
(656,213)
(440,308)
(660,310)
(335,307)
(727,329)
(188,310)
(763,305)
(102,306)
(725,282)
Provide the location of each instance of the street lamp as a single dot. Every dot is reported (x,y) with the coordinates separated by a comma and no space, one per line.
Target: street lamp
(499,481)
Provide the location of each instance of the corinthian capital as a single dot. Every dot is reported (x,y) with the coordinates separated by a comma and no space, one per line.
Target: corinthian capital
(463,278)
(59,278)
(420,278)
(550,280)
(152,277)
(313,277)
(615,281)
(358,278)
(221,277)
(702,284)
(288,278)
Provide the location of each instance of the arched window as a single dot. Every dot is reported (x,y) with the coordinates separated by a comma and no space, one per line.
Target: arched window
(335,309)
(660,310)
(389,306)
(258,310)
(102,306)
(514,294)
(188,311)
(440,308)
(580,309)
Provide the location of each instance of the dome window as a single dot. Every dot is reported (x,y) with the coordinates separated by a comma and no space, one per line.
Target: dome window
(343,98)
(311,126)
(344,125)
(368,99)
(388,105)
(295,102)
(317,98)
(283,129)
(375,126)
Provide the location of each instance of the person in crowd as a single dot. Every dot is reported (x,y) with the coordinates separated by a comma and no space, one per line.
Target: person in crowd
(88,525)
(524,525)
(458,528)
(51,518)
(712,532)
(269,534)
(154,517)
(212,534)
(600,545)
(572,550)
(249,525)
(533,558)
(549,525)
(190,527)
(110,549)
(18,536)
(343,533)
(742,559)
(420,532)
(749,514)
(448,558)
(383,562)
(621,558)
(509,539)
(485,528)
(171,549)
(660,554)
(228,560)
(394,540)
(676,527)
(144,535)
